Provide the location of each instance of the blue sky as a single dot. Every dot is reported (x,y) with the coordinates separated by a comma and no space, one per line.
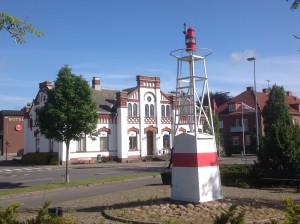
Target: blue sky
(116,40)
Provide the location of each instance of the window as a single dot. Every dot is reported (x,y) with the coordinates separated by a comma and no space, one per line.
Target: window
(151,110)
(149,99)
(135,110)
(51,145)
(168,111)
(129,109)
(237,122)
(248,139)
(104,144)
(166,141)
(231,107)
(220,124)
(37,143)
(245,122)
(81,144)
(235,140)
(163,112)
(146,110)
(132,143)
(221,140)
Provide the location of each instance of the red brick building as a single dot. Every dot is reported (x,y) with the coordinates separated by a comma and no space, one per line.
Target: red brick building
(230,117)
(11,131)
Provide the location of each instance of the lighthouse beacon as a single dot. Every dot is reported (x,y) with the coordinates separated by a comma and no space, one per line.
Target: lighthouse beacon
(195,172)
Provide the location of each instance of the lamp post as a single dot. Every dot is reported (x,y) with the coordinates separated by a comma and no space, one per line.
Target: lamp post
(256,115)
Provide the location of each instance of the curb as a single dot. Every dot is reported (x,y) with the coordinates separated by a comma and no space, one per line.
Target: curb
(106,214)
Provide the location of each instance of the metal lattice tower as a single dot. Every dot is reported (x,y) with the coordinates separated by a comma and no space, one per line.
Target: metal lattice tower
(191,90)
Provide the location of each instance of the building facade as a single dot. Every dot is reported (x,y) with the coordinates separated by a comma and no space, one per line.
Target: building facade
(230,114)
(132,123)
(11,132)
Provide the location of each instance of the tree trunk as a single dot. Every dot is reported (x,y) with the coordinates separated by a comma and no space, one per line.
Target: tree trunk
(67,163)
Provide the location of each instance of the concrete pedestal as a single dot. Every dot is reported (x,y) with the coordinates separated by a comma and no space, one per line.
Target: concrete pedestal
(195,172)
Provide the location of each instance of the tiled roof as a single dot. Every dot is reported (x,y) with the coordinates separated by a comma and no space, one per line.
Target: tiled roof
(105,100)
(293,103)
(12,113)
(129,90)
(248,97)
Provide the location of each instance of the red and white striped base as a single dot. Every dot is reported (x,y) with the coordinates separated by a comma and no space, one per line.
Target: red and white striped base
(195,172)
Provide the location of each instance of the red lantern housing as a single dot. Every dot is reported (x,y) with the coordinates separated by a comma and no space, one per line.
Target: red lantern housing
(190,40)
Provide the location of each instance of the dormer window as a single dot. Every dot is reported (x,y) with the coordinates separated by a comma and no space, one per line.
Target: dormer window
(231,107)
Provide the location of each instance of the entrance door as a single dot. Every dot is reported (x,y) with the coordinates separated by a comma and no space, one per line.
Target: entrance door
(150,143)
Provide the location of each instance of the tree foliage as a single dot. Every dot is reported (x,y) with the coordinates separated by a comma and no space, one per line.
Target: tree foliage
(69,112)
(281,149)
(295,4)
(219,97)
(17,28)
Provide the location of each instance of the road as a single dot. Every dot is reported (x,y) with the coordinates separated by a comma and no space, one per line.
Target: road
(24,176)
(36,199)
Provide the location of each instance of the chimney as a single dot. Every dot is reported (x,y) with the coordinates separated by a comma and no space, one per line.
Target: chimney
(96,83)
(289,93)
(250,88)
(266,91)
(45,85)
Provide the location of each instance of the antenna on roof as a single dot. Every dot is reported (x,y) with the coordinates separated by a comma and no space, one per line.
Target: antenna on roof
(268,83)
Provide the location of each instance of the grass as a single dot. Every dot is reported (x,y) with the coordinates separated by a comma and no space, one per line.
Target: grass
(85,182)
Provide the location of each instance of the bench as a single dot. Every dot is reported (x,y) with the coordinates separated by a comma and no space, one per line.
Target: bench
(84,159)
(281,176)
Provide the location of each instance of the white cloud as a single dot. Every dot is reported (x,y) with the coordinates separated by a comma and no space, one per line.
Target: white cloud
(235,77)
(241,56)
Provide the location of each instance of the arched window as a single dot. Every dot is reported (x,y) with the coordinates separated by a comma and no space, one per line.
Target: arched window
(129,109)
(151,110)
(135,110)
(168,111)
(163,112)
(166,141)
(146,110)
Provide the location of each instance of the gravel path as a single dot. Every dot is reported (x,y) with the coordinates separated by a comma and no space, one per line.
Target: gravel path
(152,204)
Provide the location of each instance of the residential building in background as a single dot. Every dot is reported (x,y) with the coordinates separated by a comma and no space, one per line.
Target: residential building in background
(230,118)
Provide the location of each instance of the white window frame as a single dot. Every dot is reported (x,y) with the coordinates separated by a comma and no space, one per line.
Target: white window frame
(235,140)
(221,124)
(81,145)
(231,107)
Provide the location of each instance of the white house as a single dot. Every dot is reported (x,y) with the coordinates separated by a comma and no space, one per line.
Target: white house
(133,123)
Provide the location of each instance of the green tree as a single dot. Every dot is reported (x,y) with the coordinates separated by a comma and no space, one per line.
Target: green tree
(281,150)
(17,28)
(219,97)
(295,4)
(69,112)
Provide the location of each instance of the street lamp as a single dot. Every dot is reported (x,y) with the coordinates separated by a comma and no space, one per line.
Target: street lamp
(256,115)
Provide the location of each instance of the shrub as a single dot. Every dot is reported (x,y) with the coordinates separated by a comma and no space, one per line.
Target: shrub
(41,158)
(292,212)
(9,216)
(230,217)
(237,175)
